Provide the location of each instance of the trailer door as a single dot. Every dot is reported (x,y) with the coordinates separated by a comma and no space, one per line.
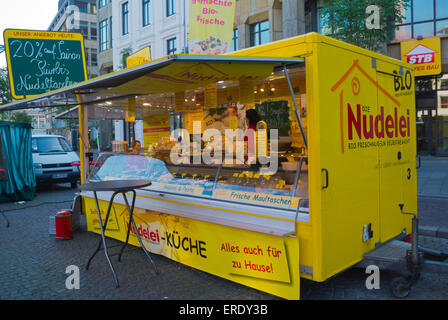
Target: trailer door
(395,153)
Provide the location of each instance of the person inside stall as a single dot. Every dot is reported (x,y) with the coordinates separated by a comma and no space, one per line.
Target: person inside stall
(136,147)
(252,118)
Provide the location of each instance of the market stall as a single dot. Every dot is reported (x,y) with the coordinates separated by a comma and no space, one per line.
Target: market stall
(304,191)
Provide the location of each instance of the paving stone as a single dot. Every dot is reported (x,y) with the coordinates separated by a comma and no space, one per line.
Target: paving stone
(33,264)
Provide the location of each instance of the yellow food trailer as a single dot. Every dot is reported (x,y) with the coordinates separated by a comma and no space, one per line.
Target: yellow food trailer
(337,139)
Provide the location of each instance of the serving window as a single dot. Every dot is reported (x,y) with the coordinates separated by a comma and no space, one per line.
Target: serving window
(200,142)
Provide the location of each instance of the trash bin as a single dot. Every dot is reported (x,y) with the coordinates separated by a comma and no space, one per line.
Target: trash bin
(63,222)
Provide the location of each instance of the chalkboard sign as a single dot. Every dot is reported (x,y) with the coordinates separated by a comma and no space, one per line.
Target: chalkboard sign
(276,115)
(43,61)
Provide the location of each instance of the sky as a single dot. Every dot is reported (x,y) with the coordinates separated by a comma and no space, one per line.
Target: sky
(25,14)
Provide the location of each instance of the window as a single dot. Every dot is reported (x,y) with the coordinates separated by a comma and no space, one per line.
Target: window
(171,46)
(102,3)
(145,11)
(83,7)
(423,10)
(259,33)
(424,29)
(424,18)
(110,29)
(403,32)
(93,31)
(49,145)
(441,9)
(104,36)
(94,57)
(170,8)
(125,18)
(235,40)
(442,27)
(84,28)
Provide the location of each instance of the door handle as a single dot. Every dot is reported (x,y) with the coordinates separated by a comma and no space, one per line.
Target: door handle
(326,179)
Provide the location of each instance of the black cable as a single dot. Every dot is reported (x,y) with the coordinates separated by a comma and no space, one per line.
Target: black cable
(37,205)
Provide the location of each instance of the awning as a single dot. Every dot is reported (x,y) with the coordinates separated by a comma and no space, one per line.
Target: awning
(170,74)
(95,113)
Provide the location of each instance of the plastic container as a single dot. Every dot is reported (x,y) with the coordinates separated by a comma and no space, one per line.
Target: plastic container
(63,222)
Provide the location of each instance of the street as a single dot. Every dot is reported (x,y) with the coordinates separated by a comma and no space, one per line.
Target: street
(33,264)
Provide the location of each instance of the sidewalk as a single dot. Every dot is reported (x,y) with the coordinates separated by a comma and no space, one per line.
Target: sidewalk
(432,177)
(432,190)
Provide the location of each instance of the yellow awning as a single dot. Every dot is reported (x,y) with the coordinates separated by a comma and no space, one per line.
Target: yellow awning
(169,74)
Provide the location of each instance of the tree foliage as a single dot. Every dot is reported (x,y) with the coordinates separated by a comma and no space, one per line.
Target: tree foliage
(22,117)
(5,92)
(346,20)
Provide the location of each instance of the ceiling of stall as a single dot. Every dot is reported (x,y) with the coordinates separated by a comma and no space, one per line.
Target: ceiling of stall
(154,83)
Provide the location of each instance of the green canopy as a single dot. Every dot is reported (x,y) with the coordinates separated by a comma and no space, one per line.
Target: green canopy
(17,180)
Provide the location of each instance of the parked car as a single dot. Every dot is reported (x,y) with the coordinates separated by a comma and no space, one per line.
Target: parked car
(54,160)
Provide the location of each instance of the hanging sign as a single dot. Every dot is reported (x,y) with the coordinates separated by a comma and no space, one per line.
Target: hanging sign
(211,26)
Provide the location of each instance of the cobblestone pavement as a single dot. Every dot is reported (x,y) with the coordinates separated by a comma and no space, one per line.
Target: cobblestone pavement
(33,264)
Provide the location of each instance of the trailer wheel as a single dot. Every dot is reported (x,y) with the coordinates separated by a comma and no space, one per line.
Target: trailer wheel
(400,287)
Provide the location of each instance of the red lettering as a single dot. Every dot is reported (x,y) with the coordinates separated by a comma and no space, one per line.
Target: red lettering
(354,122)
(402,126)
(389,125)
(367,134)
(379,119)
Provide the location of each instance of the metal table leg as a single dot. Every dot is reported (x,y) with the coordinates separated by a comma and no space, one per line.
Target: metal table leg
(103,238)
(131,220)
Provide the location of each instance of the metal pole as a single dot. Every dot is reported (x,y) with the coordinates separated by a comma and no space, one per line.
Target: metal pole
(299,119)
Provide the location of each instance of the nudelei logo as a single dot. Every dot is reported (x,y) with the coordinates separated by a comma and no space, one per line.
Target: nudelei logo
(367,123)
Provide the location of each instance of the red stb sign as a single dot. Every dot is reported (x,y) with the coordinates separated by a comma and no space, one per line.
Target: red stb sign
(420,54)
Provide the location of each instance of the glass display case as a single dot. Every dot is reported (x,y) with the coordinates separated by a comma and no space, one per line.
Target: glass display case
(239,183)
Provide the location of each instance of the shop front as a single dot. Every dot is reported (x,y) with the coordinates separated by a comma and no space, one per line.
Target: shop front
(267,165)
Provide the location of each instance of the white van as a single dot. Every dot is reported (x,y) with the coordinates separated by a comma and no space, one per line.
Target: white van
(54,160)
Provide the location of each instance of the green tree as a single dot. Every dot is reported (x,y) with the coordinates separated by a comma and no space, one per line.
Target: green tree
(346,20)
(125,53)
(5,92)
(22,117)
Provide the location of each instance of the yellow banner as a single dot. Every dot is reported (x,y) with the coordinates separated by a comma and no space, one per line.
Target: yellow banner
(179,102)
(245,256)
(131,110)
(424,55)
(154,128)
(211,96)
(211,26)
(246,92)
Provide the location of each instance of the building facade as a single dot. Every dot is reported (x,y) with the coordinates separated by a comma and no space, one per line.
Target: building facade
(161,25)
(80,16)
(426,19)
(105,43)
